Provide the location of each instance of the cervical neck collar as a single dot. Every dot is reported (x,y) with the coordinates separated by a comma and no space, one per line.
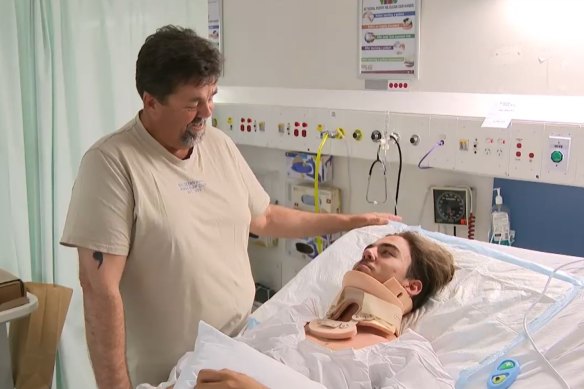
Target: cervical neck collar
(364,301)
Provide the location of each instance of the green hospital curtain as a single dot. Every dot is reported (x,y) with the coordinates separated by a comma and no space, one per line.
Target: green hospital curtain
(14,225)
(66,79)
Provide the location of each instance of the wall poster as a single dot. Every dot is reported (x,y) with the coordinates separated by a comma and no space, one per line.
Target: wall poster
(215,16)
(389,32)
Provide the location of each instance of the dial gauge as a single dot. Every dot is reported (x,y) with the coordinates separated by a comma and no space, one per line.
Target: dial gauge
(450,206)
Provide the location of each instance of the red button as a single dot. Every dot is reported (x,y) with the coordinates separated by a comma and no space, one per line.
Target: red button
(296,124)
(518,154)
(304,125)
(401,85)
(405,84)
(242,120)
(304,133)
(519,145)
(248,128)
(391,84)
(295,132)
(531,155)
(242,127)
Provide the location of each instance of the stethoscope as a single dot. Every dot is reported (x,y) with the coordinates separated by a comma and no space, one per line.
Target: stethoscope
(382,163)
(383,140)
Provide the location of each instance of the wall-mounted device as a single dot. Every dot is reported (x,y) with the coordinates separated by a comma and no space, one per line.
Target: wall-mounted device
(527,150)
(307,248)
(558,154)
(302,166)
(303,198)
(452,205)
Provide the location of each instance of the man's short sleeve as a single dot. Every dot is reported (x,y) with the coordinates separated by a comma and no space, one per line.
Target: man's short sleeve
(101,210)
(258,198)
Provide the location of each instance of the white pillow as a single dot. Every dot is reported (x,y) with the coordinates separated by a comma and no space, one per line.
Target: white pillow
(215,350)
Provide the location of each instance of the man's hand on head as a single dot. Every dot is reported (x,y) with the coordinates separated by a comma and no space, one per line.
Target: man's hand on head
(374,219)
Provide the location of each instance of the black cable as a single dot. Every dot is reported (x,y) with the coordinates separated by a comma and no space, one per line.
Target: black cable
(398,172)
(454,230)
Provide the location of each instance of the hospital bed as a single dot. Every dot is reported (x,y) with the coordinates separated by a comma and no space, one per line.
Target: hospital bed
(478,318)
(472,325)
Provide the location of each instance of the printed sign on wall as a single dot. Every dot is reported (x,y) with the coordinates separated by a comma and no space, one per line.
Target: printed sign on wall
(215,22)
(389,38)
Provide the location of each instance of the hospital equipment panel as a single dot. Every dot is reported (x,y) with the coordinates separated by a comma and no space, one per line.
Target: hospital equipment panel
(522,151)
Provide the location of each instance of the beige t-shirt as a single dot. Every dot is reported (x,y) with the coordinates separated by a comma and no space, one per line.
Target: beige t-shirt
(184,226)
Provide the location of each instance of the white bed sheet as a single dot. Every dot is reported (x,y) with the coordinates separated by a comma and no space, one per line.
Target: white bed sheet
(479,314)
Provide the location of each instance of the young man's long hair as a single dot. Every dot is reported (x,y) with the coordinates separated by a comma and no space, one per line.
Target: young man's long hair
(431,263)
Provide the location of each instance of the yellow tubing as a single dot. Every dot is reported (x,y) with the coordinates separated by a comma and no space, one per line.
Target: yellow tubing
(316,198)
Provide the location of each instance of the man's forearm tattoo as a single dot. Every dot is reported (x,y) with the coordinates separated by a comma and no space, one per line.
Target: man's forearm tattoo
(98,256)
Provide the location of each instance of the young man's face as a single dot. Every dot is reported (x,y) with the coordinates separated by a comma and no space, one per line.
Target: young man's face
(181,118)
(386,258)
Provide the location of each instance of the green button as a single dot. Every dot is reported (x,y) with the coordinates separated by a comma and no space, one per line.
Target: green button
(557,156)
(506,365)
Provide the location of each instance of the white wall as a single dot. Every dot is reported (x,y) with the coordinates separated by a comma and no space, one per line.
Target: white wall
(477,46)
(474,46)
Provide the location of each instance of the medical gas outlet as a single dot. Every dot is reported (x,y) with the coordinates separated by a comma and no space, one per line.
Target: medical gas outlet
(337,133)
(394,137)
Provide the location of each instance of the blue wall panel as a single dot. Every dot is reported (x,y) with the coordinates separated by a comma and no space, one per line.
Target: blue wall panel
(545,217)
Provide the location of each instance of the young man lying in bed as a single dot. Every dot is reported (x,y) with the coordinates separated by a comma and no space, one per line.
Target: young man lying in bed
(396,275)
(352,343)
